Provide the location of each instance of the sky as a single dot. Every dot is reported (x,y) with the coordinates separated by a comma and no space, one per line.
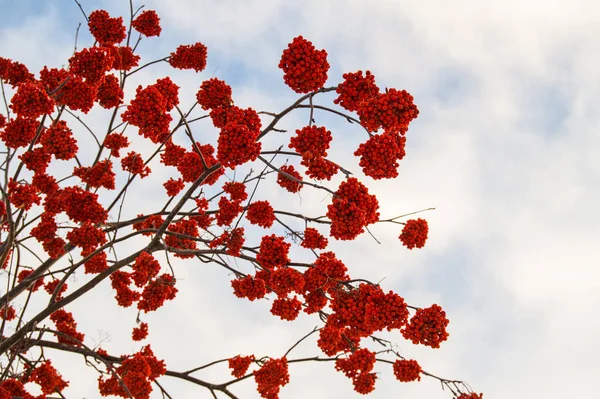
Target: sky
(505,148)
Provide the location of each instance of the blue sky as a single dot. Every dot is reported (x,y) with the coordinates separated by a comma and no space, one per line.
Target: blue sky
(505,147)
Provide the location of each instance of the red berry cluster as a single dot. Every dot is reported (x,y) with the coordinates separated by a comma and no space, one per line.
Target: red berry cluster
(239,365)
(367,309)
(271,377)
(304,67)
(311,141)
(351,210)
(136,373)
(124,58)
(185,227)
(81,206)
(51,286)
(116,142)
(236,190)
(110,94)
(293,186)
(8,313)
(233,241)
(106,30)
(58,140)
(286,308)
(226,114)
(313,239)
(414,233)
(145,268)
(147,23)
(237,145)
(358,367)
(14,73)
(69,89)
(31,101)
(228,210)
(407,370)
(249,287)
(134,164)
(22,196)
(65,323)
(261,213)
(355,89)
(97,264)
(285,280)
(189,57)
(150,222)
(87,237)
(23,274)
(173,186)
(427,327)
(380,154)
(36,160)
(214,93)
(148,111)
(169,90)
(49,380)
(157,292)
(91,64)
(140,333)
(471,395)
(392,111)
(333,340)
(19,132)
(98,175)
(273,252)
(319,168)
(121,282)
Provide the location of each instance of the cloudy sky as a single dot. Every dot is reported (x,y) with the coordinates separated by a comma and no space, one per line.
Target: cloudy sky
(505,148)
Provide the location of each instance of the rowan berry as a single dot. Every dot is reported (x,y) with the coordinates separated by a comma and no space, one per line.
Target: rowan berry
(249,287)
(271,377)
(115,142)
(239,365)
(123,58)
(189,57)
(237,145)
(65,323)
(147,23)
(311,141)
(407,370)
(31,101)
(285,280)
(319,168)
(355,89)
(91,64)
(427,327)
(140,333)
(110,94)
(157,292)
(98,175)
(392,111)
(134,164)
(304,67)
(380,154)
(106,30)
(414,233)
(173,186)
(19,132)
(214,93)
(228,210)
(236,190)
(312,239)
(261,213)
(273,252)
(58,140)
(46,376)
(286,308)
(293,186)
